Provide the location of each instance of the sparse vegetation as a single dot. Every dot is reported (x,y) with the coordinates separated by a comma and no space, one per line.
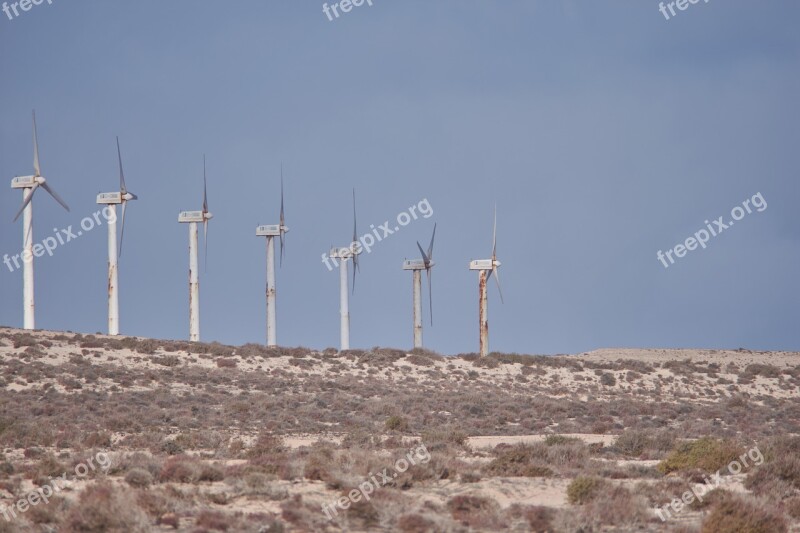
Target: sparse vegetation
(196,431)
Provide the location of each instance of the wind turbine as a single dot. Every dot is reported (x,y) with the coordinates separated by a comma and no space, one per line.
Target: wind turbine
(417,266)
(29,184)
(483,266)
(111,200)
(193,218)
(343,254)
(270,232)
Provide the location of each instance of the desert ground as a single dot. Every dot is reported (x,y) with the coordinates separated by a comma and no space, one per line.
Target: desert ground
(129,434)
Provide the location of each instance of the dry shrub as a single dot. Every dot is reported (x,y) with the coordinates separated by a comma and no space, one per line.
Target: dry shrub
(226,362)
(185,469)
(614,506)
(212,520)
(101,507)
(154,503)
(539,518)
(736,515)
(414,523)
(792,506)
(475,512)
(706,454)
(269,456)
(421,360)
(139,478)
(632,443)
(518,461)
(51,512)
(443,438)
(780,477)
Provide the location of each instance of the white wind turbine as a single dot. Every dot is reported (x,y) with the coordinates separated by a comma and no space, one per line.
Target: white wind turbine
(343,254)
(29,184)
(417,266)
(193,218)
(111,200)
(483,266)
(270,232)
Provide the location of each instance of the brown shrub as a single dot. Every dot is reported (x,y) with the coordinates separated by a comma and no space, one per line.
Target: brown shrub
(539,518)
(475,512)
(414,523)
(735,515)
(102,508)
(518,461)
(212,520)
(139,478)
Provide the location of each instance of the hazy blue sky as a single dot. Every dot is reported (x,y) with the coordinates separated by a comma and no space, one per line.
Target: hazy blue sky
(603,131)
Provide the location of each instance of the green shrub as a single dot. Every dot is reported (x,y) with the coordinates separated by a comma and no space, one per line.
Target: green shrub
(396,423)
(585,489)
(706,454)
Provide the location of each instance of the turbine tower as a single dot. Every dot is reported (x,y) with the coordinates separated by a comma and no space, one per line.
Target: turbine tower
(343,254)
(483,266)
(111,200)
(270,232)
(29,184)
(417,266)
(193,218)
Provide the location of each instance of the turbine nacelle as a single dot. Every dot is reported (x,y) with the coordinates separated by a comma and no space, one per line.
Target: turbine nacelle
(484,264)
(417,264)
(346,253)
(194,216)
(271,230)
(26,182)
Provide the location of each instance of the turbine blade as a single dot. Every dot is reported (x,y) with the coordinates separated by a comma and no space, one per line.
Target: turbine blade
(122,188)
(424,256)
(36,167)
(205,187)
(355,233)
(430,248)
(283,218)
(26,201)
(497,281)
(52,193)
(122,232)
(356,264)
(494,235)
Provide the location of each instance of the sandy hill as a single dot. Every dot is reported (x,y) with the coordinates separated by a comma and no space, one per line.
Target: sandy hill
(213,437)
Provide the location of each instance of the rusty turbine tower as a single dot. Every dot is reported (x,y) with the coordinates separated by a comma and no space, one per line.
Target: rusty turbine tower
(485,268)
(111,200)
